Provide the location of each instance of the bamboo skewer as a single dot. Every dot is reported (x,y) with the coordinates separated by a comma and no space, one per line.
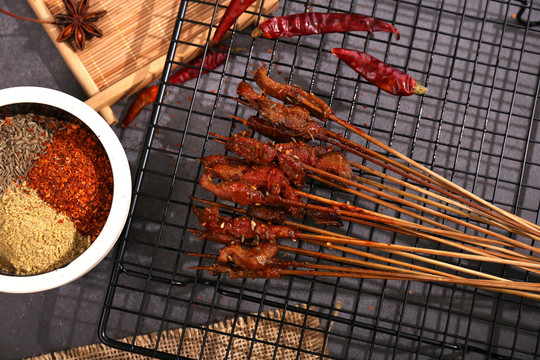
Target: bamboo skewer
(343,238)
(479,253)
(397,199)
(399,209)
(355,212)
(465,211)
(494,252)
(504,286)
(403,170)
(405,248)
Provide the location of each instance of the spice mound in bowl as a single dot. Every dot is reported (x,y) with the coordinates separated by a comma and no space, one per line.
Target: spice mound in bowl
(65,189)
(55,192)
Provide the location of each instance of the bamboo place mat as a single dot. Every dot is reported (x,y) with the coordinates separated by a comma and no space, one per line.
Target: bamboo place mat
(221,341)
(133,49)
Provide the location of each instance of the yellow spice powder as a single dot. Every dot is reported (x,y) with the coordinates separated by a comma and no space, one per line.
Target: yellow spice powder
(34,238)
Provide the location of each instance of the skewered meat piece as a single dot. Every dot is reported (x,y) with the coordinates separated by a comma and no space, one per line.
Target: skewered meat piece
(224,167)
(272,214)
(290,156)
(236,191)
(266,128)
(293,120)
(284,91)
(293,170)
(254,258)
(335,162)
(258,152)
(243,193)
(269,179)
(306,153)
(324,217)
(251,150)
(242,226)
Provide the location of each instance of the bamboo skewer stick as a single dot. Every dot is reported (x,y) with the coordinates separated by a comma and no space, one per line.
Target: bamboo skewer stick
(511,217)
(468,213)
(356,212)
(428,174)
(474,214)
(342,237)
(495,252)
(412,249)
(386,247)
(420,258)
(504,286)
(346,260)
(397,199)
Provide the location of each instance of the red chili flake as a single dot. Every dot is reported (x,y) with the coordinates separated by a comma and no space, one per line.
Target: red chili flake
(8,122)
(74,177)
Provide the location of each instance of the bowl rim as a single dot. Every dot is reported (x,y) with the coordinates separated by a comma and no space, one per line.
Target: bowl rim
(121,200)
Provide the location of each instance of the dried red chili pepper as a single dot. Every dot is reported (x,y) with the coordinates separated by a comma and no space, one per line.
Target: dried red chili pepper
(214,58)
(234,10)
(145,97)
(312,23)
(380,74)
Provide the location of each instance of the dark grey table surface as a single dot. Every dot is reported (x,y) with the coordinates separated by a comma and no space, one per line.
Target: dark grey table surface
(33,324)
(472,75)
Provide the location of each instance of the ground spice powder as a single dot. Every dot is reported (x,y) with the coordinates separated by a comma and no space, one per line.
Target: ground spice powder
(34,238)
(74,176)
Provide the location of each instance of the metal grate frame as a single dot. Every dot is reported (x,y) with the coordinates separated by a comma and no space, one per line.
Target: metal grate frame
(477,125)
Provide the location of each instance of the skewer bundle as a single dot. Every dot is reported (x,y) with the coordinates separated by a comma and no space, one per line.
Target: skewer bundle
(269,179)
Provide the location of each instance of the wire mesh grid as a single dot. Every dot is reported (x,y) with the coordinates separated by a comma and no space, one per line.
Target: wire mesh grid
(477,125)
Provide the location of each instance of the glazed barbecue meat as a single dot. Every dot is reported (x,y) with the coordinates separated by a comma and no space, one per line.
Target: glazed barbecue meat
(242,226)
(271,131)
(335,163)
(268,179)
(244,193)
(324,217)
(293,170)
(293,120)
(236,191)
(224,167)
(217,238)
(284,92)
(290,156)
(251,150)
(275,215)
(252,259)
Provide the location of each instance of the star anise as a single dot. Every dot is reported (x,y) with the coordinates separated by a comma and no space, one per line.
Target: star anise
(78,22)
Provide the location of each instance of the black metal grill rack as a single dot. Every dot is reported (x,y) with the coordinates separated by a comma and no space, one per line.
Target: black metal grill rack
(477,125)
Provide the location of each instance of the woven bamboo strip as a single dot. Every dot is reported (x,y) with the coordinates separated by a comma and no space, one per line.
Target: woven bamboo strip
(136,39)
(140,78)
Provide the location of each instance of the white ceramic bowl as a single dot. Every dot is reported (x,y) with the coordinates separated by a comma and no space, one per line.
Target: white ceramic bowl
(44,101)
